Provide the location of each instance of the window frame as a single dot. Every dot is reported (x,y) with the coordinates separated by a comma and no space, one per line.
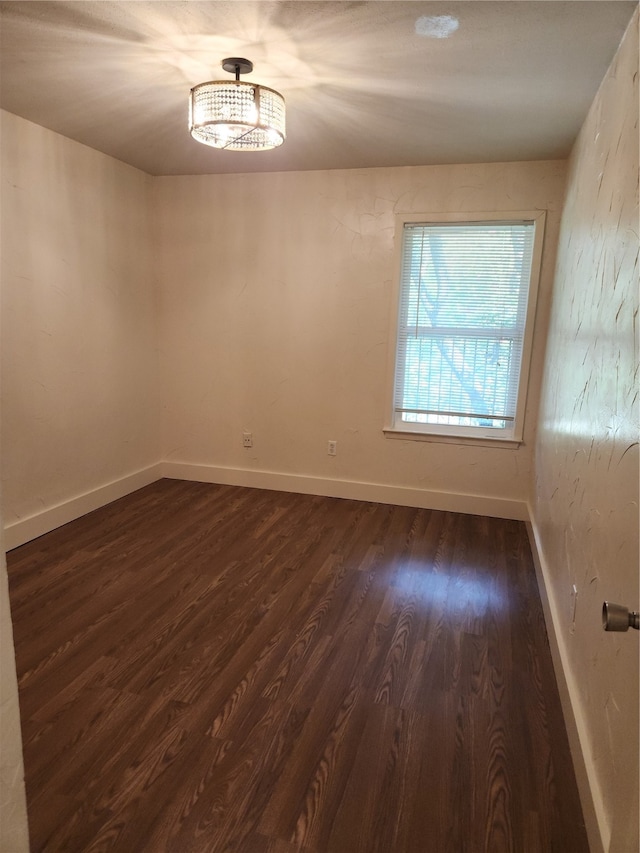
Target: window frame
(508,437)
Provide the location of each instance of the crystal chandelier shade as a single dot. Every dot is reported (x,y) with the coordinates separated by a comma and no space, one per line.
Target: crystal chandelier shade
(237,116)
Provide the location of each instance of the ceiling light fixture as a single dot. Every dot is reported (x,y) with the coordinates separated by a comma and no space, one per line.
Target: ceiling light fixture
(236,115)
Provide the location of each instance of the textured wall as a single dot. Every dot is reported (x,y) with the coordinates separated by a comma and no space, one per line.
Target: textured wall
(586,490)
(79,349)
(276,297)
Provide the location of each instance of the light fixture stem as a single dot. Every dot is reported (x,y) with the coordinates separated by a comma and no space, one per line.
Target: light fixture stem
(237,72)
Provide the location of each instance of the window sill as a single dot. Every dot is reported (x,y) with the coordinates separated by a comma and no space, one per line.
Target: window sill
(441,438)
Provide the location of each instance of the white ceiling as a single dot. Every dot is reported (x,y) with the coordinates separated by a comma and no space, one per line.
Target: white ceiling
(363,88)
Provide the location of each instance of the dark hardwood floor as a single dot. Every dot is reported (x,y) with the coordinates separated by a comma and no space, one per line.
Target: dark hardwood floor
(210,668)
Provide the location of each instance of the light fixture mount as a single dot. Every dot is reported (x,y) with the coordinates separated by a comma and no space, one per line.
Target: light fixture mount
(237,115)
(237,65)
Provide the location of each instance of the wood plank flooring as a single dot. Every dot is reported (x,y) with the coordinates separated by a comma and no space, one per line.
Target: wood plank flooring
(210,668)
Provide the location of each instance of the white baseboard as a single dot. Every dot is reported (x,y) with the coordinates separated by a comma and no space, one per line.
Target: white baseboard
(350,489)
(26,529)
(597,825)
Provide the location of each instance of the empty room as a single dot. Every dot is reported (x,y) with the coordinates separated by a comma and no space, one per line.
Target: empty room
(320,426)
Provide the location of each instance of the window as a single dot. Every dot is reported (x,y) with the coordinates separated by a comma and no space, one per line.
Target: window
(464,324)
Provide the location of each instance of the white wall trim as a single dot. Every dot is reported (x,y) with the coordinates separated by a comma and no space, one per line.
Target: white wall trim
(26,529)
(597,824)
(350,489)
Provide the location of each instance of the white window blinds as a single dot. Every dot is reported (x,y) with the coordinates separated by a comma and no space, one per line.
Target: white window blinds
(463,307)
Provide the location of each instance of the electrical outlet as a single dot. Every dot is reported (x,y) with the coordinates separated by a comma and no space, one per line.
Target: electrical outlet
(247,439)
(332,448)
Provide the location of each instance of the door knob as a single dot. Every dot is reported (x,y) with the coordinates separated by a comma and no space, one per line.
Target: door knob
(615,617)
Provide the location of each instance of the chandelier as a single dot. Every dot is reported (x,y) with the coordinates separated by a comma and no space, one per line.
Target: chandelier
(236,115)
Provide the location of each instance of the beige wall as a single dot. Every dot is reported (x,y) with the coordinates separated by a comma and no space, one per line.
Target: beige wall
(79,357)
(275,304)
(585,503)
(79,349)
